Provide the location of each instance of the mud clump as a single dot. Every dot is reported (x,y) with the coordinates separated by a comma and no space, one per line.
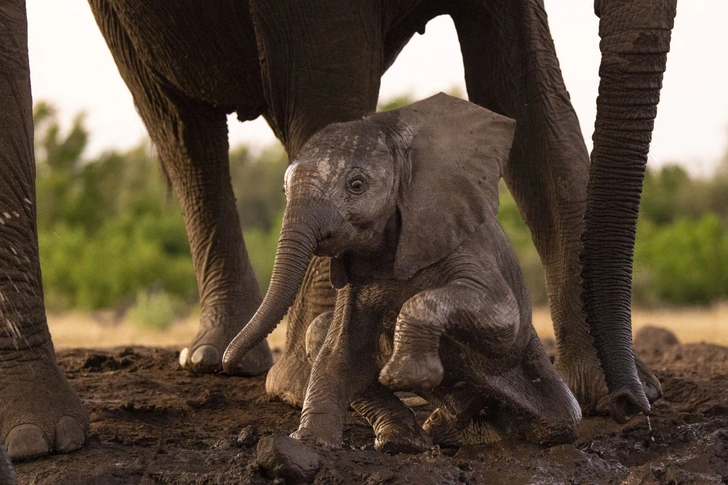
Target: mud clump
(151,422)
(281,456)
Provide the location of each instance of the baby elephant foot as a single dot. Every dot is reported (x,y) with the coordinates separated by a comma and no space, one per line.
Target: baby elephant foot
(39,412)
(402,437)
(316,439)
(405,372)
(446,430)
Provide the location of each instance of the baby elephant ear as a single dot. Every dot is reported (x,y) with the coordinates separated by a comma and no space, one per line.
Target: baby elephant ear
(457,155)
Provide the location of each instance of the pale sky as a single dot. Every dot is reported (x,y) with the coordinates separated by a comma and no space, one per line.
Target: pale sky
(72,67)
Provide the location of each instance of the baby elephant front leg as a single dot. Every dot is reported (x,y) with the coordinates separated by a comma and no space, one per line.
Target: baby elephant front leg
(488,316)
(415,363)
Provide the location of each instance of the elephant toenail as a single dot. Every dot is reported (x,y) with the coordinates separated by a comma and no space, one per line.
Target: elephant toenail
(26,441)
(183,356)
(206,355)
(69,435)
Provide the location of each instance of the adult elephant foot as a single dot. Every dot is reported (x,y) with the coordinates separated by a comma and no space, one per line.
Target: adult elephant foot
(39,412)
(205,353)
(586,381)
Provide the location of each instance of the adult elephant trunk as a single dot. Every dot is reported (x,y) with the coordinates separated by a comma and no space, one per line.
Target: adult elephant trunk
(303,228)
(635,41)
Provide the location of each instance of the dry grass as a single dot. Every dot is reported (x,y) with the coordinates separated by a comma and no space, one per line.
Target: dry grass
(690,325)
(98,330)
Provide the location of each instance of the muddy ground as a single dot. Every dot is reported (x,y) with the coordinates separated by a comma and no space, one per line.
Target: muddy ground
(153,423)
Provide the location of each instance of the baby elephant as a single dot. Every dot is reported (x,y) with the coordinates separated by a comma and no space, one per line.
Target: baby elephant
(430,295)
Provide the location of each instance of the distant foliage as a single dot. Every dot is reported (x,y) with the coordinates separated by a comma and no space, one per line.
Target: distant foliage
(110,228)
(258,186)
(107,227)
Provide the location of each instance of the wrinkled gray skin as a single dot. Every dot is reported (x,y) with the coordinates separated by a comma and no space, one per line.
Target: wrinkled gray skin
(38,409)
(304,65)
(7,475)
(432,299)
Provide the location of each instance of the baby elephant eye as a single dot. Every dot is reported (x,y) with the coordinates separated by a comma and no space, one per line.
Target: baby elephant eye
(357,185)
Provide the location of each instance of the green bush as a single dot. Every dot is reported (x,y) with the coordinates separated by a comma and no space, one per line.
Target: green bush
(111,265)
(683,263)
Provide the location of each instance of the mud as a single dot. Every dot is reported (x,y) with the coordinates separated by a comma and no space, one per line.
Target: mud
(152,423)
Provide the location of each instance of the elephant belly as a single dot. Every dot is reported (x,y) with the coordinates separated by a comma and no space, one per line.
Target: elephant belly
(207,51)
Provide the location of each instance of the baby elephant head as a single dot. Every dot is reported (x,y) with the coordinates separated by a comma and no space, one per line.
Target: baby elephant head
(415,181)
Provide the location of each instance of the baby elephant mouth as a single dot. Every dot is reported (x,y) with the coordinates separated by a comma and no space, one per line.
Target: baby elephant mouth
(337,273)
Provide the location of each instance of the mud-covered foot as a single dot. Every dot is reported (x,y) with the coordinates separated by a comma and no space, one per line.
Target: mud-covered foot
(402,437)
(318,440)
(446,430)
(205,353)
(586,381)
(39,411)
(405,372)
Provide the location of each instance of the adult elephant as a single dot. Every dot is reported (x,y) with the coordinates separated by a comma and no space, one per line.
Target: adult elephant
(303,65)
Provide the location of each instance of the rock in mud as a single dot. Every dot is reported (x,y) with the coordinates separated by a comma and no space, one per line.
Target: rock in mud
(284,457)
(247,437)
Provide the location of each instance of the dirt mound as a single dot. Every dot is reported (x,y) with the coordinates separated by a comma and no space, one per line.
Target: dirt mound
(153,423)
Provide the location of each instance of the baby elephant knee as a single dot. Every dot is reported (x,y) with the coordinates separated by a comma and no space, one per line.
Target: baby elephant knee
(412,372)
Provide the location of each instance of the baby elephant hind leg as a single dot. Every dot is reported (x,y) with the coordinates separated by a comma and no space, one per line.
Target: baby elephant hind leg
(464,417)
(537,405)
(395,425)
(528,402)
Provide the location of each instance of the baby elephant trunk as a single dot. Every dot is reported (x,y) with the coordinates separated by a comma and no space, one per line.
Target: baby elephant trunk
(300,235)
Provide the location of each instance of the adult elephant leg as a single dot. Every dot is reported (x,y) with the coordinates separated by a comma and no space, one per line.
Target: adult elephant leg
(39,412)
(320,63)
(196,160)
(191,139)
(548,168)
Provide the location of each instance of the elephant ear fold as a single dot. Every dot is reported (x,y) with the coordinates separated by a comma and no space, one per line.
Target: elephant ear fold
(457,155)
